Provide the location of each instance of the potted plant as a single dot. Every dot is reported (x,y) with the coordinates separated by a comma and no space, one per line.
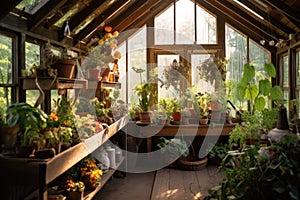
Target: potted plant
(185,116)
(203,101)
(74,189)
(146,93)
(30,121)
(8,135)
(217,153)
(173,148)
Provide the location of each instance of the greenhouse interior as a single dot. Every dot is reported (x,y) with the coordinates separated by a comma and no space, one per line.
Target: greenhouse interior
(149,99)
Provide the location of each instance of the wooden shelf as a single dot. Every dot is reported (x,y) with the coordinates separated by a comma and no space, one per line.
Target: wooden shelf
(40,172)
(104,180)
(58,83)
(100,84)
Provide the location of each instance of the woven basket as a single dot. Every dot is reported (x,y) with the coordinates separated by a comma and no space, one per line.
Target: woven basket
(191,163)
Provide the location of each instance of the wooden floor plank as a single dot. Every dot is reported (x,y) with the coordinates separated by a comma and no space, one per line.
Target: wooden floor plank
(161,185)
(177,184)
(191,185)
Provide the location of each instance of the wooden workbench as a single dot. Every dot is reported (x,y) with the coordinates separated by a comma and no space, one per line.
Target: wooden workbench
(150,130)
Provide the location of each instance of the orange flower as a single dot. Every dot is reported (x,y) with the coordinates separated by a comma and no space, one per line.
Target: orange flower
(54,117)
(108,29)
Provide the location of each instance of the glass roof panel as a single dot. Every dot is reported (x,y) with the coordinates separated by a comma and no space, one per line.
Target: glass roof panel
(31,6)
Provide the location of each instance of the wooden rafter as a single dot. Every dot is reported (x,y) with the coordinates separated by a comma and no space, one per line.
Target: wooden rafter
(131,17)
(80,17)
(243,18)
(290,13)
(7,6)
(99,22)
(40,16)
(243,26)
(267,16)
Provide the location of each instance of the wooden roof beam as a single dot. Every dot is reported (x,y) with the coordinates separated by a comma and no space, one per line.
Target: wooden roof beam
(101,21)
(291,14)
(240,24)
(268,18)
(40,16)
(7,6)
(243,18)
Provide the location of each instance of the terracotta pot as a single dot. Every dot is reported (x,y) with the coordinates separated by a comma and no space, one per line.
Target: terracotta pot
(215,105)
(93,74)
(203,121)
(176,116)
(76,195)
(65,68)
(104,73)
(8,136)
(145,116)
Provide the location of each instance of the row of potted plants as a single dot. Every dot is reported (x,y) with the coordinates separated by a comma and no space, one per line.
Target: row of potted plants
(35,130)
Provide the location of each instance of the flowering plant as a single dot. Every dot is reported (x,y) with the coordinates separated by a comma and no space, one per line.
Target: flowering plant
(71,185)
(90,173)
(103,49)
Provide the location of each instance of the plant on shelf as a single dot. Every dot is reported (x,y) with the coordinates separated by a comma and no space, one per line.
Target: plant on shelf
(203,103)
(30,121)
(169,106)
(90,173)
(74,186)
(146,93)
(102,51)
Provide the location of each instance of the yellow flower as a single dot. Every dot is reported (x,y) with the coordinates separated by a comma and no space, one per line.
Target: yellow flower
(116,34)
(117,55)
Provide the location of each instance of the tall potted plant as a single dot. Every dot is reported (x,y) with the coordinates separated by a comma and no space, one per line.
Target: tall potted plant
(146,94)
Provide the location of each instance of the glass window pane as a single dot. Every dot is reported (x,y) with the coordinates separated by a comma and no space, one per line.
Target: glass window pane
(5,60)
(32,56)
(31,6)
(5,97)
(164,27)
(285,66)
(298,71)
(136,58)
(122,71)
(162,62)
(236,53)
(206,27)
(258,56)
(185,22)
(201,85)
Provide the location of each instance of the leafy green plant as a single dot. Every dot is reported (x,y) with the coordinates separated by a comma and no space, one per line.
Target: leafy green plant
(29,119)
(145,91)
(173,147)
(260,92)
(218,150)
(203,101)
(261,173)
